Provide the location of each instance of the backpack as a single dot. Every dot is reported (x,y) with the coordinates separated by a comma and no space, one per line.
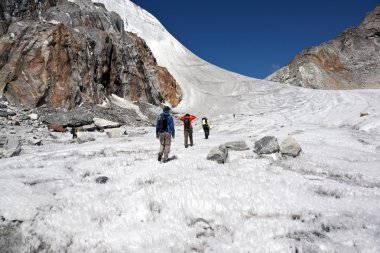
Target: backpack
(186,123)
(164,123)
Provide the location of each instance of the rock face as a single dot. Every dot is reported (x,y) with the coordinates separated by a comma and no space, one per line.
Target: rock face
(350,61)
(267,145)
(290,147)
(59,54)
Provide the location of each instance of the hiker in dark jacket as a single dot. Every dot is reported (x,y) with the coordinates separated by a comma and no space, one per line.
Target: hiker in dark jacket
(206,127)
(188,128)
(164,132)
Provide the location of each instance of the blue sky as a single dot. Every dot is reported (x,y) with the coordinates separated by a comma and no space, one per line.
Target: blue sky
(251,37)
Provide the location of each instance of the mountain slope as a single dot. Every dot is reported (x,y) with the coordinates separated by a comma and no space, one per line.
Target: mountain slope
(325,200)
(58,54)
(350,61)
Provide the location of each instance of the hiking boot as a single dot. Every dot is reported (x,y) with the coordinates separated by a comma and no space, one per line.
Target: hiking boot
(159,157)
(186,146)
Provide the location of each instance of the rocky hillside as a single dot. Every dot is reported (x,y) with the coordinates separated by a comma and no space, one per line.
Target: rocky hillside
(350,61)
(63,54)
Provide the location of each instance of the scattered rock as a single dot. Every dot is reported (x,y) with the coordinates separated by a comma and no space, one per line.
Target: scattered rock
(33,116)
(11,113)
(34,141)
(3,114)
(116,132)
(2,106)
(85,137)
(103,123)
(290,147)
(56,128)
(12,146)
(218,154)
(88,128)
(267,145)
(237,145)
(362,114)
(101,180)
(202,227)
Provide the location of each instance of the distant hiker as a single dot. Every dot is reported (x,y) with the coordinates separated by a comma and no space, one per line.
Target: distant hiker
(164,132)
(206,127)
(74,132)
(188,128)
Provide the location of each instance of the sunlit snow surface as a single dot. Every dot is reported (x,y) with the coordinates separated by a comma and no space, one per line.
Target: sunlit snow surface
(325,200)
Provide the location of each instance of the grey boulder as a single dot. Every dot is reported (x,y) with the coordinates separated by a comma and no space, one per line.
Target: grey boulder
(218,154)
(267,145)
(34,141)
(12,146)
(290,147)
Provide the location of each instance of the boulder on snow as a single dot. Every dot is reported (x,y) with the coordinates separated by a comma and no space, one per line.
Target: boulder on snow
(237,145)
(33,116)
(103,123)
(267,145)
(56,128)
(202,228)
(34,141)
(290,147)
(362,114)
(116,132)
(218,154)
(85,137)
(12,146)
(101,180)
(3,106)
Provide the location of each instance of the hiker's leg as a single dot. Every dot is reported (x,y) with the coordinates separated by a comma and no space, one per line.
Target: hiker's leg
(162,144)
(191,136)
(168,140)
(186,133)
(207,131)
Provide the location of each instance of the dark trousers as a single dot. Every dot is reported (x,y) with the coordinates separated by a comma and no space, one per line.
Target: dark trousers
(206,129)
(188,135)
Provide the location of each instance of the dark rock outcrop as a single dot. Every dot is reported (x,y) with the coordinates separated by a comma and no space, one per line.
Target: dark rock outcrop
(59,54)
(350,61)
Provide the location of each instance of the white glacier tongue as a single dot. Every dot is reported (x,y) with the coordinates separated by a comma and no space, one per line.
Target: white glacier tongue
(199,80)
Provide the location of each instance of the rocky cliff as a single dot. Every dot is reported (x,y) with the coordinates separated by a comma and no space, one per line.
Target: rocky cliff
(350,61)
(60,54)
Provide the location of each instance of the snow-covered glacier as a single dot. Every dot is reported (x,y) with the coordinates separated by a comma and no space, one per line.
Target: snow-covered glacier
(324,200)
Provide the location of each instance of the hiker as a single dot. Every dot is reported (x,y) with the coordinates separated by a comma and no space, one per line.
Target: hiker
(74,132)
(164,132)
(188,128)
(206,127)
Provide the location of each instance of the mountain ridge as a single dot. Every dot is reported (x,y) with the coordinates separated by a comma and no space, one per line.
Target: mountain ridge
(349,61)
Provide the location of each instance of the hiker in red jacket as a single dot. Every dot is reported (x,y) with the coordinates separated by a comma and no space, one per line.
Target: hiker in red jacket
(188,128)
